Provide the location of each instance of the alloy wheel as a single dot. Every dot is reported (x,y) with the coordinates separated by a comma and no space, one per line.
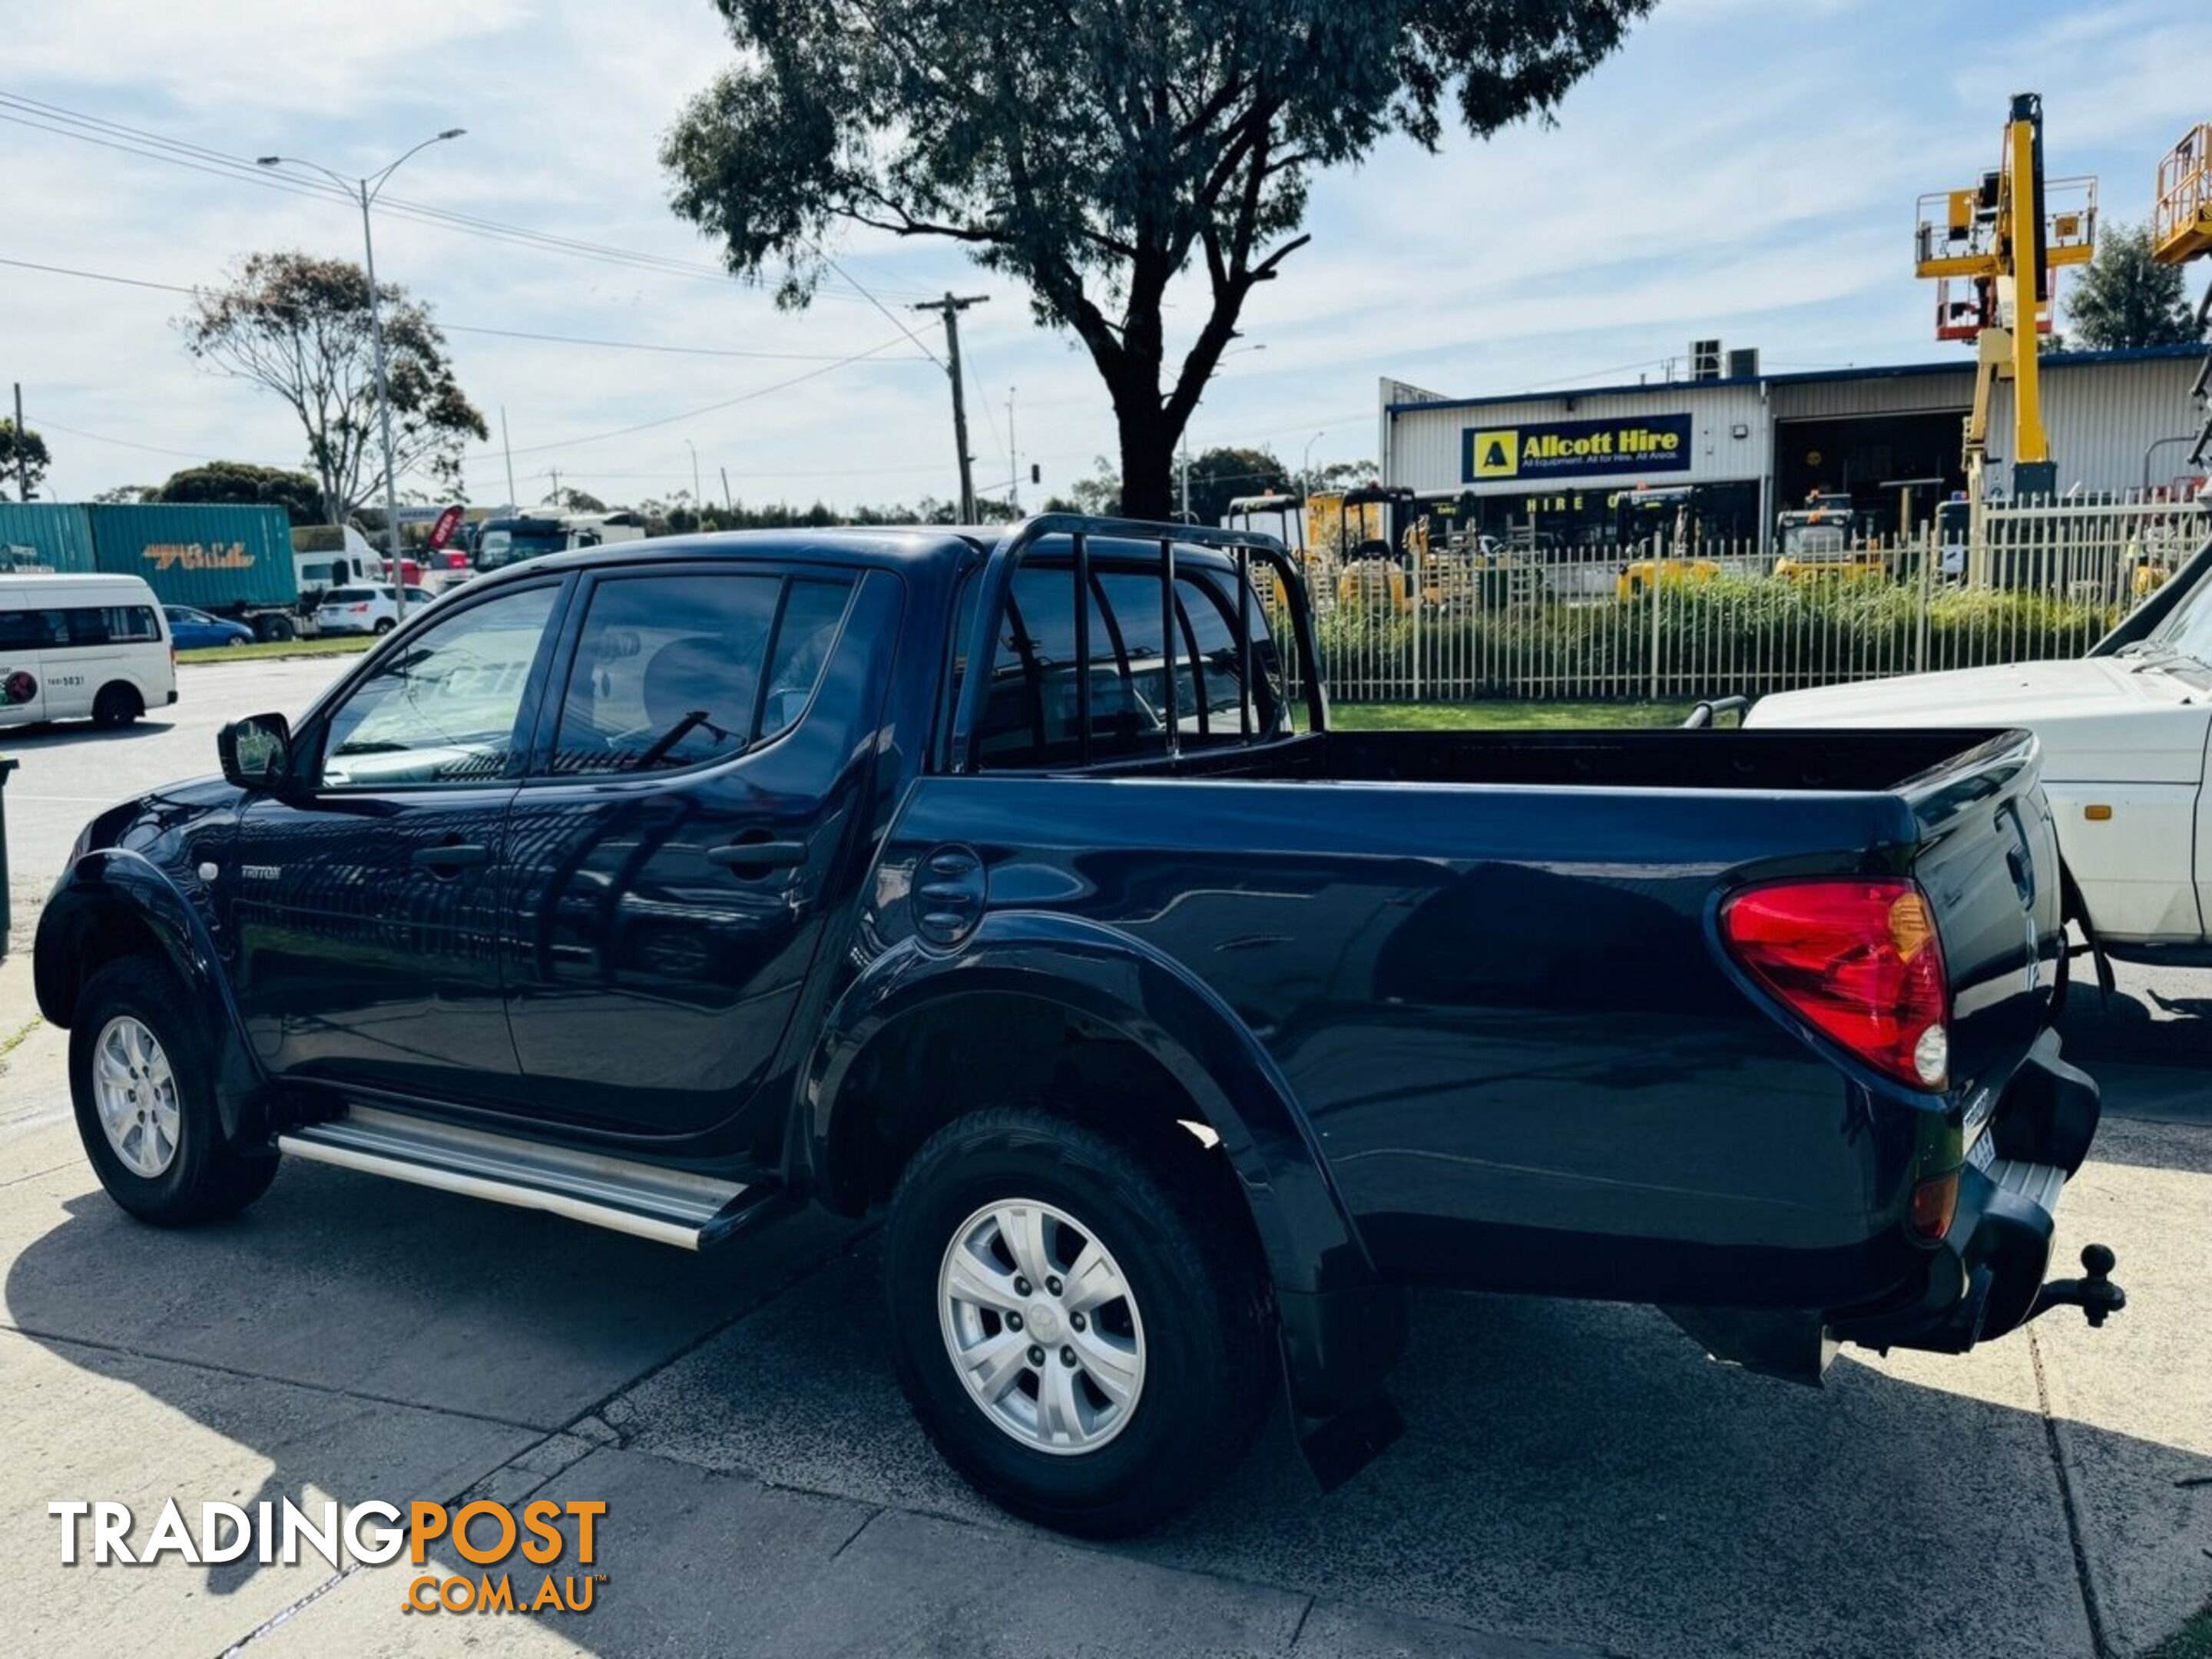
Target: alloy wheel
(1041,1326)
(135,1093)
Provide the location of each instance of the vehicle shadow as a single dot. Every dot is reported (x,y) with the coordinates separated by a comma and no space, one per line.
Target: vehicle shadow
(1575,1471)
(2155,1017)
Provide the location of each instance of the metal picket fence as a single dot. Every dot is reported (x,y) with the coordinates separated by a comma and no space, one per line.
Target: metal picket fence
(2032,581)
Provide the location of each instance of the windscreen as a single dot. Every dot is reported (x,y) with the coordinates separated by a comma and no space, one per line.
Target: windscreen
(508,543)
(2188,631)
(1815,541)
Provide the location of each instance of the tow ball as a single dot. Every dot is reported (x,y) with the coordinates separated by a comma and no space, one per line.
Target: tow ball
(2094,1294)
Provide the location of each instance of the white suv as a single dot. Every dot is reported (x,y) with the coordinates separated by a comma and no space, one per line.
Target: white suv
(365,610)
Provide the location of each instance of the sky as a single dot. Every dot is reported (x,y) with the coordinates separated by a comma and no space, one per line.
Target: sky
(1742,168)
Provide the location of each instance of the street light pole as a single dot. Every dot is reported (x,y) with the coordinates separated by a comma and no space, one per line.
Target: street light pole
(366,190)
(697,507)
(1305,461)
(384,421)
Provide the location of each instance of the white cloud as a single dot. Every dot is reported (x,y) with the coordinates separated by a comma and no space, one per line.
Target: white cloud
(331,57)
(1739,168)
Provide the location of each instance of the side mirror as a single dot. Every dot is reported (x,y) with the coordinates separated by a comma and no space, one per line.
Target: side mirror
(256,752)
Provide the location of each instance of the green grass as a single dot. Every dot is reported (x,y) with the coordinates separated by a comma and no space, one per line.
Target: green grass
(1513,714)
(263,649)
(2192,1641)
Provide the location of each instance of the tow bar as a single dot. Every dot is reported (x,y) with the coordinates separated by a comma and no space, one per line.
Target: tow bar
(2094,1294)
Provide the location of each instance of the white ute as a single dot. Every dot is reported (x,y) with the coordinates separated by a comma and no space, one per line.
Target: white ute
(2126,741)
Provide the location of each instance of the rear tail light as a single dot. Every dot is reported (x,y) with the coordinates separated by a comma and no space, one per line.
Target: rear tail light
(1857,960)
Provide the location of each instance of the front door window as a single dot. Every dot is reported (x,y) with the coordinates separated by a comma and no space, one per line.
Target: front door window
(443,710)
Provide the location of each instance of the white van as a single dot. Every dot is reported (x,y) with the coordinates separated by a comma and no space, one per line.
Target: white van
(77,647)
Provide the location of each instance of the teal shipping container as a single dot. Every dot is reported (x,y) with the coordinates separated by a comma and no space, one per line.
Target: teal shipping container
(42,536)
(216,558)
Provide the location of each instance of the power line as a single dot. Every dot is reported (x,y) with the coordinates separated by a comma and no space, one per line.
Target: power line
(117,135)
(468,328)
(48,424)
(896,321)
(646,345)
(98,276)
(708,409)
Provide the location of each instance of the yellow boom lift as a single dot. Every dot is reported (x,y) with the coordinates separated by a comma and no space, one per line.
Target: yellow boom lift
(2004,240)
(2181,230)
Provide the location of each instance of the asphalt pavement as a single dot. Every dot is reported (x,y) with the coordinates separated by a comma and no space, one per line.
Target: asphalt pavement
(1575,1478)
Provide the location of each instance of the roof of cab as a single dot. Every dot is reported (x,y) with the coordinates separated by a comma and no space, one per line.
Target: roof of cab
(891,546)
(866,544)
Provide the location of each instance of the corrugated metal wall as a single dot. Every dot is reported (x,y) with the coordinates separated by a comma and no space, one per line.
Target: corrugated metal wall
(2101,417)
(1425,444)
(50,534)
(1897,394)
(216,557)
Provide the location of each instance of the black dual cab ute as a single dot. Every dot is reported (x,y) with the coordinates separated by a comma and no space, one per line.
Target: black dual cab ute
(1015,886)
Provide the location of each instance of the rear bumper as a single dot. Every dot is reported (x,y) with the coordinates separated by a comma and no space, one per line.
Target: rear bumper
(1986,1275)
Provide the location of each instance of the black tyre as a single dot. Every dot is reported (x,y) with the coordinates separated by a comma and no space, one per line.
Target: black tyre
(272,627)
(117,705)
(142,1074)
(385,625)
(1113,1392)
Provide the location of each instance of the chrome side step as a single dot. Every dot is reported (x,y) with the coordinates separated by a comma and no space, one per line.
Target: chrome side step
(670,1206)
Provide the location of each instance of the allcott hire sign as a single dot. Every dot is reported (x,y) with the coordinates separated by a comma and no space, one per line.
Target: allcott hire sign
(1547,450)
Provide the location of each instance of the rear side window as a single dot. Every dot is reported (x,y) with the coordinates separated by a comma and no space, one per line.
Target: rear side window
(111,624)
(680,671)
(349,596)
(1032,716)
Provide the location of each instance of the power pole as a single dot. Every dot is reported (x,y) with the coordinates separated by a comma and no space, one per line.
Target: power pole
(23,450)
(1183,472)
(1013,454)
(949,308)
(513,505)
(727,502)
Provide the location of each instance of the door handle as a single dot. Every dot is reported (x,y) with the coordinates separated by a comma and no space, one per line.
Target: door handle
(451,861)
(749,855)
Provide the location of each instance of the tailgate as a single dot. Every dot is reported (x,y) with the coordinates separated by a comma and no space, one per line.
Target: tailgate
(1988,860)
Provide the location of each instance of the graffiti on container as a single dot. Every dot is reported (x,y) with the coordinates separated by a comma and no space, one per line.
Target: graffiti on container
(198,555)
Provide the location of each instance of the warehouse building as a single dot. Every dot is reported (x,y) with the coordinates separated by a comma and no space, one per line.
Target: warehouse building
(1556,466)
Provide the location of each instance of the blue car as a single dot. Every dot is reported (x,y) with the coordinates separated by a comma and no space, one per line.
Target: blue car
(193,630)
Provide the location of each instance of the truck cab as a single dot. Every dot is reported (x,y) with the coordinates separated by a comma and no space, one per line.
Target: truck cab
(503,542)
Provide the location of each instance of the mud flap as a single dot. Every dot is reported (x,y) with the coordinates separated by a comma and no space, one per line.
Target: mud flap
(1337,1448)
